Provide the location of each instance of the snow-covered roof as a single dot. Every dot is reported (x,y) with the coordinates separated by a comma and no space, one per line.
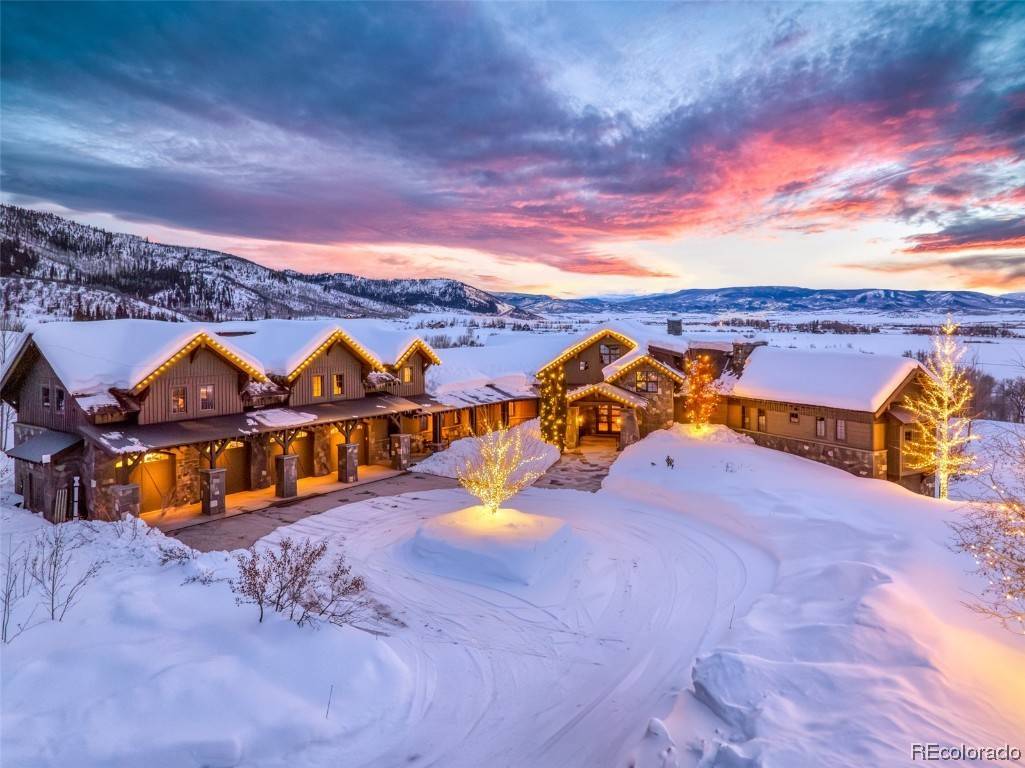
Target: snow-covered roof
(635,357)
(852,381)
(391,345)
(611,391)
(92,357)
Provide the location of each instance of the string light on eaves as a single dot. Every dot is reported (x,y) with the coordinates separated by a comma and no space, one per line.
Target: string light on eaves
(337,335)
(198,340)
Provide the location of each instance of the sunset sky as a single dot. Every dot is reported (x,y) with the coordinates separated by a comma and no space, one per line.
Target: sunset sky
(562,148)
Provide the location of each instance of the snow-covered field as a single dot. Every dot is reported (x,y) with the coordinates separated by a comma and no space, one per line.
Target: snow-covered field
(768,611)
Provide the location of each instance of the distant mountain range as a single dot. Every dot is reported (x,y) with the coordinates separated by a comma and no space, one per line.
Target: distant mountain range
(776,298)
(53,267)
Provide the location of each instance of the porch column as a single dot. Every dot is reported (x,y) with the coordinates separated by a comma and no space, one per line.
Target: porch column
(348,462)
(629,432)
(259,456)
(212,485)
(572,426)
(400,451)
(286,469)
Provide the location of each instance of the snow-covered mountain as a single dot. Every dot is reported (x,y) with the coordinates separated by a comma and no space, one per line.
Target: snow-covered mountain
(56,267)
(781,299)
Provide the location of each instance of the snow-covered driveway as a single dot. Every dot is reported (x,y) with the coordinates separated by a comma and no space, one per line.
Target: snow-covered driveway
(564,672)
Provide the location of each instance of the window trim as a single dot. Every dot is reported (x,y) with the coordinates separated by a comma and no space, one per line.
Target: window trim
(650,378)
(795,417)
(338,384)
(762,422)
(317,385)
(213,400)
(608,353)
(820,426)
(175,411)
(840,428)
(407,374)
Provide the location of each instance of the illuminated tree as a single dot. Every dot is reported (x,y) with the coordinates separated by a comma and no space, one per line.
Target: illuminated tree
(940,410)
(702,390)
(499,469)
(552,394)
(993,532)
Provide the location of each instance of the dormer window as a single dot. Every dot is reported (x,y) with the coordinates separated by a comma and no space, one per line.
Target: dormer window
(318,385)
(608,353)
(179,400)
(338,384)
(407,374)
(46,397)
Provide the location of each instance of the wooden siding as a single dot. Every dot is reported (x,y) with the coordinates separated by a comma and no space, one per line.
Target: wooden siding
(862,433)
(338,359)
(30,400)
(192,372)
(416,386)
(591,354)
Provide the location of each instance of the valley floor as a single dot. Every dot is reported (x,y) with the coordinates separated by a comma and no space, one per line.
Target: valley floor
(741,608)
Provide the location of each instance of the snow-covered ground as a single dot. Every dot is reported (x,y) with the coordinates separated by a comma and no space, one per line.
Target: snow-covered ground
(754,608)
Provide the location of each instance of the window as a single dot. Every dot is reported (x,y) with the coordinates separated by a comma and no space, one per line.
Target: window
(841,430)
(206,397)
(647,381)
(46,397)
(608,352)
(407,374)
(584,365)
(761,420)
(318,386)
(745,417)
(338,384)
(60,400)
(795,417)
(425,423)
(820,426)
(908,435)
(179,400)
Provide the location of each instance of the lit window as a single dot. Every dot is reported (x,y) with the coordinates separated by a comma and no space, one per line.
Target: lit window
(647,381)
(206,397)
(338,384)
(608,352)
(318,386)
(820,426)
(761,420)
(46,397)
(584,365)
(179,400)
(745,417)
(795,417)
(841,430)
(60,400)
(407,374)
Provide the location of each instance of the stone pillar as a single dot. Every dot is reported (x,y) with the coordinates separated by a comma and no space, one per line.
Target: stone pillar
(348,462)
(187,463)
(125,500)
(286,469)
(572,427)
(629,432)
(212,484)
(400,451)
(259,458)
(322,450)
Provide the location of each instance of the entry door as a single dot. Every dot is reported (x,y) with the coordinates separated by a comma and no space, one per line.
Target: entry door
(608,419)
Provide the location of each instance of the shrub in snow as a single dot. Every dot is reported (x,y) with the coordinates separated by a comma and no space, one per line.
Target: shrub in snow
(51,568)
(14,587)
(292,580)
(500,469)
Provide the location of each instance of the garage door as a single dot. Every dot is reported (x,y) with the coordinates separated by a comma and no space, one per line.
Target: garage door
(303,448)
(235,460)
(155,476)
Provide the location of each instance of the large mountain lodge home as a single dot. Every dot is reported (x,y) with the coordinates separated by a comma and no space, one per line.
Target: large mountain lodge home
(176,419)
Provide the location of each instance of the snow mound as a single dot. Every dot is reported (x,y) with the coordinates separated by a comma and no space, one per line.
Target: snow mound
(447,463)
(474,544)
(711,433)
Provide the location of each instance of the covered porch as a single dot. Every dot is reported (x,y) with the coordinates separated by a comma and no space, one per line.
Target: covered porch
(602,411)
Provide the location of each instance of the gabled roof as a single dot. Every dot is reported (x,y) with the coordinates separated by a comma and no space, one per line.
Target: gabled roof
(611,391)
(587,341)
(391,345)
(96,356)
(634,359)
(203,339)
(850,381)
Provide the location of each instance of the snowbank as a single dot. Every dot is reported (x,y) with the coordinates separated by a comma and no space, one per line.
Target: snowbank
(474,544)
(447,463)
(862,647)
(154,668)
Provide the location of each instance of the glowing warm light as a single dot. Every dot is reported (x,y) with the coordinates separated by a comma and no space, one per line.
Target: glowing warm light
(552,409)
(610,391)
(337,335)
(420,345)
(582,345)
(199,339)
(702,393)
(940,414)
(650,361)
(499,470)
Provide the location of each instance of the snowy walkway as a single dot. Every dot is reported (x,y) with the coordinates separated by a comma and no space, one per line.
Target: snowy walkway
(566,672)
(582,468)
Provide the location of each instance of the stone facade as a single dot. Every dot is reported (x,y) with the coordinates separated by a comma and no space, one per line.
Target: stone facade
(259,461)
(659,412)
(187,463)
(857,462)
(322,449)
